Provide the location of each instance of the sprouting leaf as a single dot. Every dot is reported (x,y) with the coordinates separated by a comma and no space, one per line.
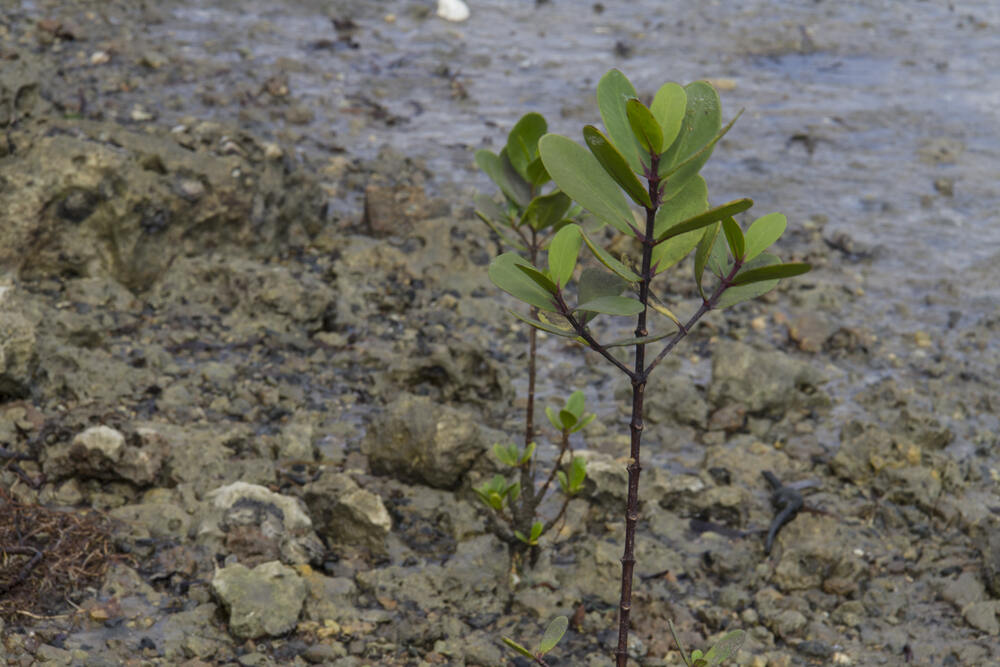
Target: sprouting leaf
(577,473)
(644,126)
(502,172)
(513,491)
(546,210)
(740,293)
(553,633)
(564,249)
(615,164)
(529,451)
(677,641)
(567,419)
(563,483)
(505,455)
(517,647)
(764,231)
(540,278)
(575,403)
(522,142)
(612,92)
(545,326)
(536,532)
(734,237)
(771,272)
(687,205)
(506,275)
(607,260)
(725,647)
(668,109)
(578,173)
(519,535)
(612,305)
(701,255)
(586,419)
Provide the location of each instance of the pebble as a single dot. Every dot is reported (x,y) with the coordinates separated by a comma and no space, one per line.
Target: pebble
(455,11)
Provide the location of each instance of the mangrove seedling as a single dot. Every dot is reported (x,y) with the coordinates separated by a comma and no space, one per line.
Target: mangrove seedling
(553,633)
(652,156)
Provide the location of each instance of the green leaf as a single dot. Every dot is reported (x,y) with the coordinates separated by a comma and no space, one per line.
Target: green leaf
(734,237)
(725,647)
(537,175)
(519,535)
(681,210)
(564,249)
(576,403)
(536,531)
(718,259)
(577,473)
(675,178)
(578,173)
(701,122)
(677,641)
(613,90)
(567,419)
(505,455)
(764,231)
(740,293)
(546,210)
(522,142)
(512,492)
(553,418)
(595,283)
(517,647)
(615,164)
(612,305)
(645,340)
(668,109)
(607,260)
(583,422)
(506,275)
(563,483)
(644,126)
(771,272)
(502,172)
(545,326)
(529,451)
(540,278)
(701,219)
(553,633)
(705,246)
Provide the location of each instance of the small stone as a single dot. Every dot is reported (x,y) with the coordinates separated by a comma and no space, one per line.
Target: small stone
(153,60)
(100,58)
(348,514)
(922,339)
(272,151)
(264,601)
(453,10)
(983,616)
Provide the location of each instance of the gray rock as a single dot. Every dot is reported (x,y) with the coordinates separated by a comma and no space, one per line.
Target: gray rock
(104,453)
(154,520)
(765,381)
(983,616)
(347,514)
(255,523)
(264,601)
(419,441)
(964,590)
(192,634)
(18,354)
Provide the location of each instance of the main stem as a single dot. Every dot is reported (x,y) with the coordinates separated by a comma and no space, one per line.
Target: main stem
(636,424)
(525,511)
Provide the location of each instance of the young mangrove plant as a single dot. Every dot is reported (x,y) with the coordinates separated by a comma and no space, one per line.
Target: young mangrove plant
(526,218)
(651,155)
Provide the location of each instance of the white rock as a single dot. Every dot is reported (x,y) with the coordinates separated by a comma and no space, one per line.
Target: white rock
(453,10)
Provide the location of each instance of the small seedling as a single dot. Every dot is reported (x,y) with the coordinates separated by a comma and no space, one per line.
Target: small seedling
(553,633)
(652,156)
(725,647)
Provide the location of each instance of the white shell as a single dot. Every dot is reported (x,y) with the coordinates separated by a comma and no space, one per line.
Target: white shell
(453,10)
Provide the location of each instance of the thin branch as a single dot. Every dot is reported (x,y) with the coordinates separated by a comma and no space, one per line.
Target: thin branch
(585,335)
(563,446)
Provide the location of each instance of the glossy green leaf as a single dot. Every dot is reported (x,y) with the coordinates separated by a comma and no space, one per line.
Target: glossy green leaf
(734,237)
(668,108)
(576,403)
(614,163)
(577,473)
(578,173)
(701,122)
(675,178)
(517,647)
(522,142)
(506,275)
(772,272)
(763,232)
(605,258)
(564,249)
(629,342)
(536,531)
(553,633)
(502,172)
(567,419)
(740,293)
(644,126)
(725,647)
(544,326)
(538,277)
(681,210)
(701,255)
(613,90)
(546,210)
(612,305)
(714,214)
(529,451)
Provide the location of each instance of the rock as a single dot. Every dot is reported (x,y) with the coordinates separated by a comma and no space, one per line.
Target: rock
(19,89)
(765,381)
(346,514)
(156,520)
(255,524)
(18,354)
(104,453)
(264,601)
(814,549)
(419,441)
(607,478)
(964,590)
(453,10)
(329,598)
(674,396)
(983,616)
